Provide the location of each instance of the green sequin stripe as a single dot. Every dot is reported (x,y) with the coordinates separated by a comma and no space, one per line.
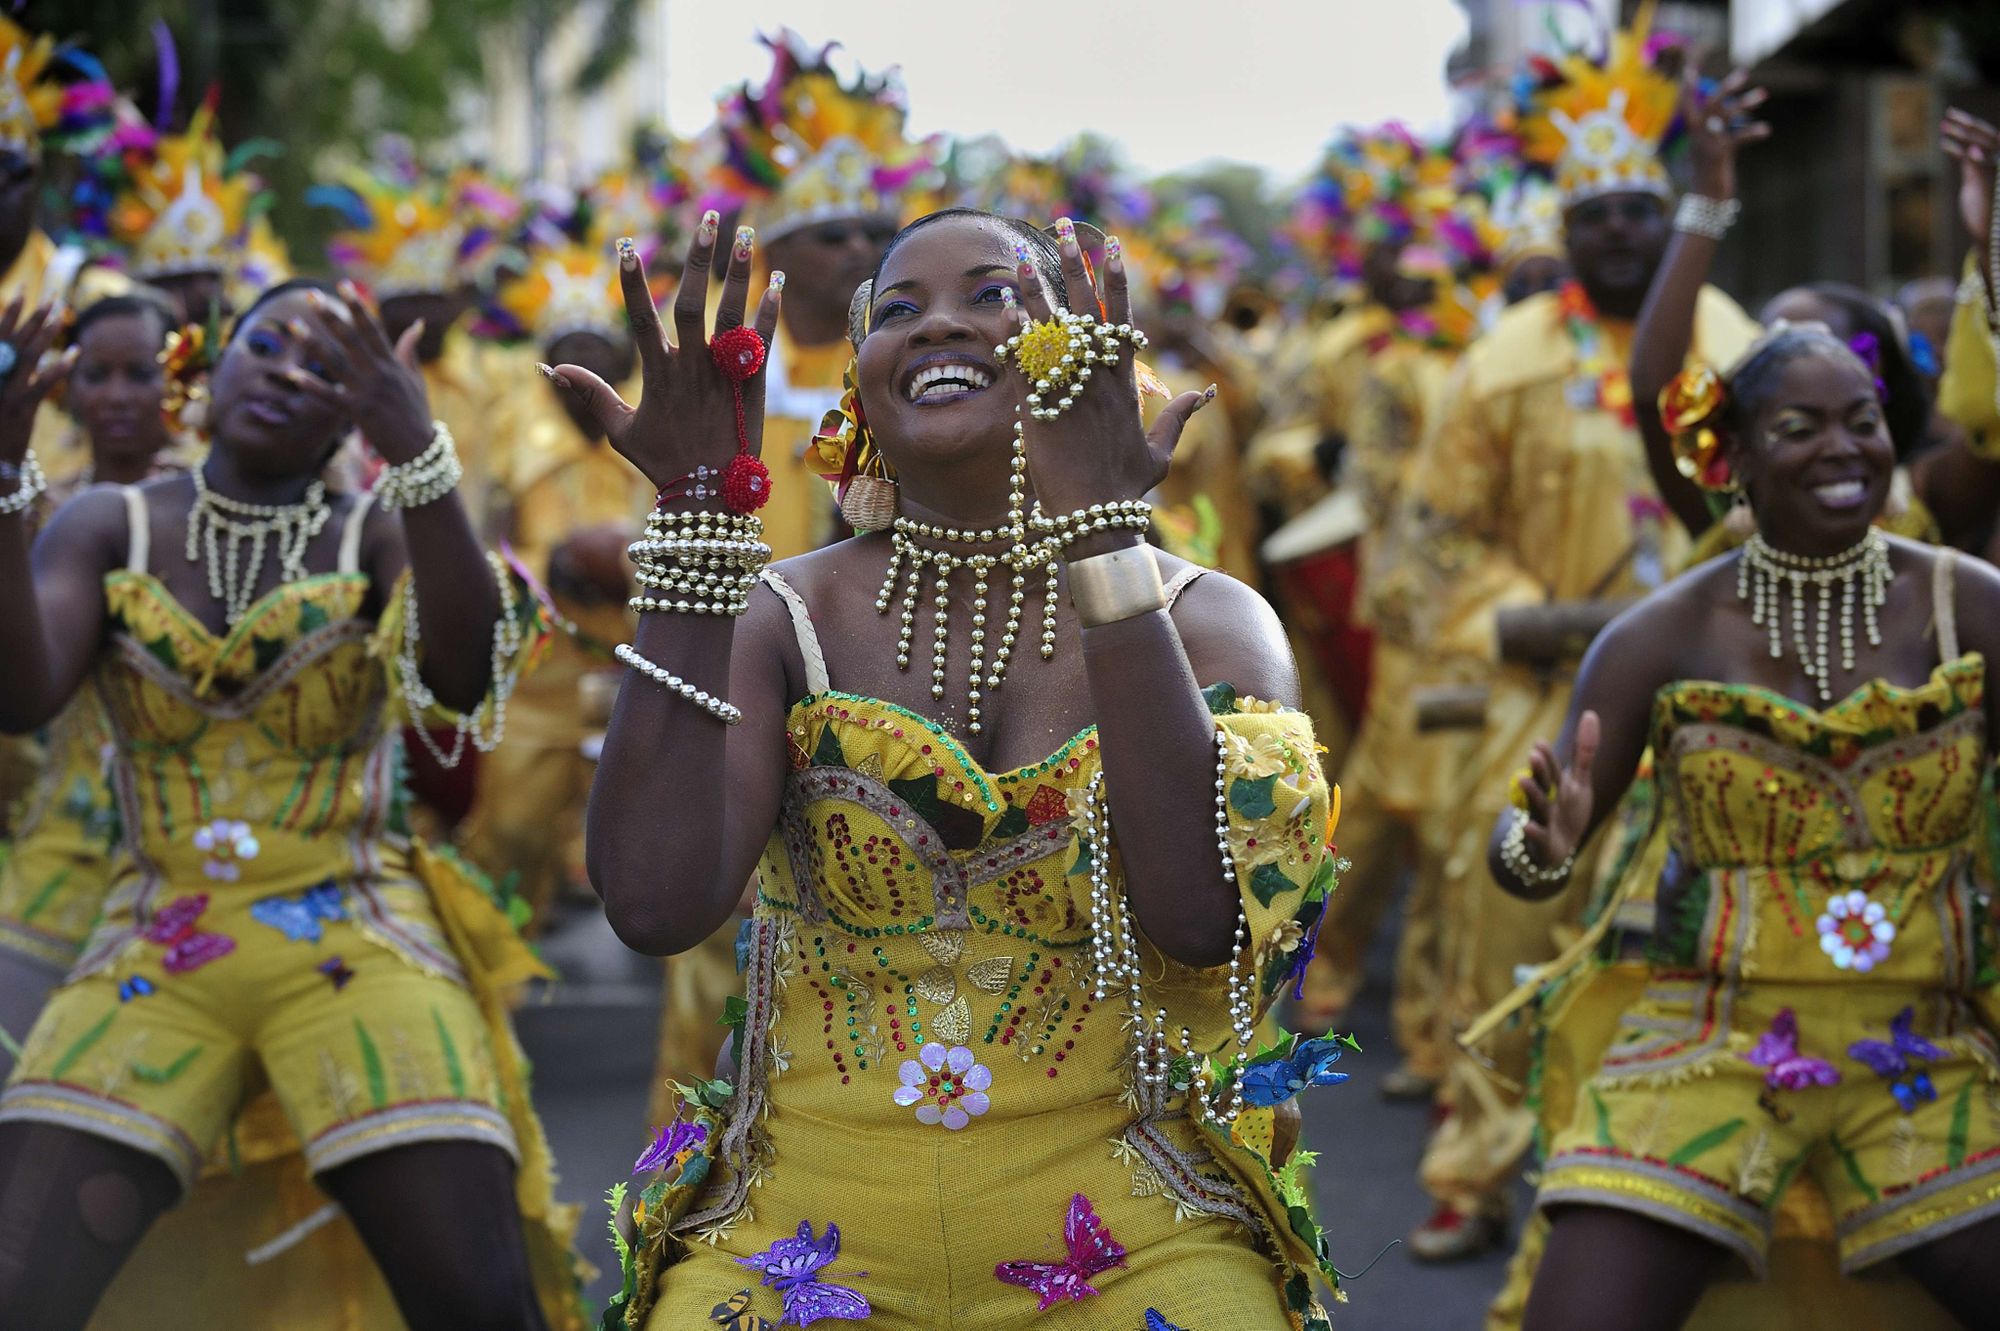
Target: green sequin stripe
(812,702)
(848,927)
(1050,763)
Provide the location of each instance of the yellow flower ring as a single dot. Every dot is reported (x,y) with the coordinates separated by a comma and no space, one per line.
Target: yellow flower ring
(1688,408)
(1043,345)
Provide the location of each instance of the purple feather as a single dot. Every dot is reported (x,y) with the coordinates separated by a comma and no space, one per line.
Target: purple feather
(170,71)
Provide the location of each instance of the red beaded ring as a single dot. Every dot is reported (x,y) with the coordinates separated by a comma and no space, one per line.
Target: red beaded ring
(746,482)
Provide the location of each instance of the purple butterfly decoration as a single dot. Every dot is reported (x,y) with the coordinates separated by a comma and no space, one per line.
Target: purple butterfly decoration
(792,1267)
(676,1137)
(188,948)
(333,968)
(1786,1069)
(1092,1252)
(1893,1059)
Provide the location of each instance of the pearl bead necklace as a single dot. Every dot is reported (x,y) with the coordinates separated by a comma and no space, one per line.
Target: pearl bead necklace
(218,526)
(1861,572)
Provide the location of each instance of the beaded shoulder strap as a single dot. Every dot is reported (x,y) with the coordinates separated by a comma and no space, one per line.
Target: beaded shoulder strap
(802,629)
(1180,583)
(1944,602)
(350,532)
(138,530)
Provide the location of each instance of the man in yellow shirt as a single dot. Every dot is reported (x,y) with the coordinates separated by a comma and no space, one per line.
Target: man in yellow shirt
(1540,515)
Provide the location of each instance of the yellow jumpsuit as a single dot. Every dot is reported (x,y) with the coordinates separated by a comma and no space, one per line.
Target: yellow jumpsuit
(922,1062)
(1534,488)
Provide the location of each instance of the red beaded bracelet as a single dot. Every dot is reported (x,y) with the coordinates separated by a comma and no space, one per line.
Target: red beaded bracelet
(746,482)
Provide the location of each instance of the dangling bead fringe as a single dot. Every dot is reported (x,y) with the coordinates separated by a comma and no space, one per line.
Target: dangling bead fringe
(1861,572)
(218,526)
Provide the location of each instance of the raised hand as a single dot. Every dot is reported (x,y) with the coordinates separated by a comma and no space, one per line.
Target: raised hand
(27,336)
(377,385)
(1560,798)
(1718,126)
(1099,450)
(686,414)
(1974,145)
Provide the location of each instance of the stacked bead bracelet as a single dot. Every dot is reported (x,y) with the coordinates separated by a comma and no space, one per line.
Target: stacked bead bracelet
(32,484)
(1701,216)
(1121,515)
(424,479)
(1058,356)
(708,562)
(506,672)
(1520,861)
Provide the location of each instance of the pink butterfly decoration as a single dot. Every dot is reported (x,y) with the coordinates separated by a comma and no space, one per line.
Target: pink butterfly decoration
(1092,1252)
(188,948)
(1786,1069)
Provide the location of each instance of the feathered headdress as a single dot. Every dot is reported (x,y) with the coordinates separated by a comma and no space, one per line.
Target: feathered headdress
(36,108)
(409,231)
(176,203)
(1601,121)
(567,281)
(808,148)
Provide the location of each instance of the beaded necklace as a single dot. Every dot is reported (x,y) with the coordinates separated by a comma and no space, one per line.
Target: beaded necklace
(218,526)
(1861,572)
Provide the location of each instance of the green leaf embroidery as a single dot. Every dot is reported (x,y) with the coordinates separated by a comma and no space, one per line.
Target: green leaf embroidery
(1706,1142)
(81,1045)
(453,1069)
(1221,699)
(1082,865)
(10,1044)
(1603,1118)
(1961,1127)
(160,1076)
(1784,1179)
(46,895)
(162,649)
(1854,1174)
(311,616)
(1269,881)
(1252,799)
(265,651)
(1325,878)
(1012,823)
(371,1060)
(828,753)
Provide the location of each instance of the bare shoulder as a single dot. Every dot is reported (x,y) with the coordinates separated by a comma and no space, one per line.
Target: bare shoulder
(1231,634)
(93,525)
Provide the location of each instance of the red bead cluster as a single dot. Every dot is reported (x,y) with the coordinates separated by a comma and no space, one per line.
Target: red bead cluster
(746,482)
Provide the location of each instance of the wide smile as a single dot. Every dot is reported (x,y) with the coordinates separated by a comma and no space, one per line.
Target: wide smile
(939,380)
(1841,495)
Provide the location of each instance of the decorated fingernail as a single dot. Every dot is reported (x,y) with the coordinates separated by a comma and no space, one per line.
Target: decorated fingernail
(549,373)
(1208,393)
(1065,231)
(628,253)
(711,222)
(1008,300)
(349,290)
(745,236)
(1114,250)
(1022,259)
(777,281)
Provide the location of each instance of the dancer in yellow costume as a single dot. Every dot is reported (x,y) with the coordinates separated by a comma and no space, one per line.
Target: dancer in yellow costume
(269,920)
(569,499)
(1543,518)
(1969,393)
(958,982)
(1819,1001)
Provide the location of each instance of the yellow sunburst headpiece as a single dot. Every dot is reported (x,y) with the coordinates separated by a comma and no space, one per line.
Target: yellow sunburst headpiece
(809,148)
(34,106)
(417,234)
(1600,122)
(182,206)
(564,288)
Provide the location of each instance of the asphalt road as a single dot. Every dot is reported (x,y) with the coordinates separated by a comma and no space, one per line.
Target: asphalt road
(592,1044)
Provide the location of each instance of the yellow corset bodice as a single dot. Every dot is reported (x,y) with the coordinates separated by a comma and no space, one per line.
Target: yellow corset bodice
(1828,844)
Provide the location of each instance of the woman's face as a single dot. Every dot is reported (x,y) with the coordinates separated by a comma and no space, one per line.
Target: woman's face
(929,385)
(115,389)
(1818,459)
(268,425)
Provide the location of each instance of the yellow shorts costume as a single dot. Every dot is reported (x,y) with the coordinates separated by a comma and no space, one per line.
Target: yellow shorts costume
(922,1062)
(1815,998)
(52,884)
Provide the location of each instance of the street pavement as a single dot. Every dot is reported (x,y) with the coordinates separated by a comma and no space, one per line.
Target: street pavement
(591,1038)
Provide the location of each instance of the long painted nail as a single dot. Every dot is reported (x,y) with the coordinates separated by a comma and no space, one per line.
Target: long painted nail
(1065,231)
(745,236)
(777,281)
(1114,251)
(1022,259)
(628,253)
(1208,393)
(1008,300)
(549,373)
(711,222)
(349,290)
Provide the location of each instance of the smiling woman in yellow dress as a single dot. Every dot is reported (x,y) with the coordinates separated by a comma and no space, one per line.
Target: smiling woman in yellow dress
(1025,886)
(269,919)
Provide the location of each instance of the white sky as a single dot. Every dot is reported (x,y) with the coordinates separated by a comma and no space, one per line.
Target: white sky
(1175,81)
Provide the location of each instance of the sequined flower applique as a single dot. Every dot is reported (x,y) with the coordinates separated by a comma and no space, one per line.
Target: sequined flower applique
(947,1085)
(1855,932)
(228,843)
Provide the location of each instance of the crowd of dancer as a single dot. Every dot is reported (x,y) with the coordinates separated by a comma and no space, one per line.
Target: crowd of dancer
(843,559)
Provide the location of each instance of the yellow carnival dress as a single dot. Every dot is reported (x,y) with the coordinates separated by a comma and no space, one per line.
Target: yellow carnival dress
(54,880)
(269,920)
(1819,1002)
(1969,392)
(922,1063)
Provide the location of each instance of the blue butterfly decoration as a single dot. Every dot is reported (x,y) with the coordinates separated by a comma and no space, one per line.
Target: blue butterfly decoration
(1899,1061)
(137,986)
(1155,1322)
(792,1267)
(1309,1063)
(300,918)
(333,968)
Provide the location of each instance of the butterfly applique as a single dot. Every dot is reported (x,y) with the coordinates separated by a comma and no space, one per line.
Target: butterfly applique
(136,986)
(333,968)
(1092,1252)
(1898,1060)
(733,1314)
(300,918)
(188,948)
(1155,1322)
(1785,1068)
(792,1267)
(1310,1063)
